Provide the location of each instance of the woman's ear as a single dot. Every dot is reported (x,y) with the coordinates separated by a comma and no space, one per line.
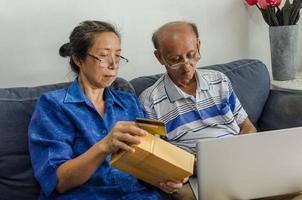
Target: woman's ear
(76,60)
(159,57)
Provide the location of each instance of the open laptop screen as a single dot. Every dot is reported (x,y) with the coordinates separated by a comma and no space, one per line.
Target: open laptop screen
(250,166)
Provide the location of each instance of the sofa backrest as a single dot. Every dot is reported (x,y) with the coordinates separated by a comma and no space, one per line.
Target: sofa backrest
(250,80)
(16,106)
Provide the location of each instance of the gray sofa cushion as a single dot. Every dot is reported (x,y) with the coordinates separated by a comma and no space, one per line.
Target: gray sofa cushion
(16,106)
(250,80)
(282,110)
(16,176)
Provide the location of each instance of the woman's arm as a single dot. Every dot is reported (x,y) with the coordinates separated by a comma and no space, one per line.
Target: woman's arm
(77,171)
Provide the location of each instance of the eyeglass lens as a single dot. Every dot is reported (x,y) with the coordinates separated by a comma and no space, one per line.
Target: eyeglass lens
(192,60)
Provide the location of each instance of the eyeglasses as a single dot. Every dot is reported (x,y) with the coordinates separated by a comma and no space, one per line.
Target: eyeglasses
(106,61)
(176,63)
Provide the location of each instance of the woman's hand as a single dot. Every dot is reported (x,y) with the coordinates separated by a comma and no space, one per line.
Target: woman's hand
(172,186)
(122,136)
(77,171)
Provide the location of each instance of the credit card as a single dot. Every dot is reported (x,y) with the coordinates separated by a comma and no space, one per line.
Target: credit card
(152,126)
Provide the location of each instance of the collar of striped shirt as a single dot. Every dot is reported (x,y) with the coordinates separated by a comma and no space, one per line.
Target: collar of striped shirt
(173,91)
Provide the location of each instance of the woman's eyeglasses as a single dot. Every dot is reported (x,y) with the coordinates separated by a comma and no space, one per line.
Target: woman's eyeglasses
(106,61)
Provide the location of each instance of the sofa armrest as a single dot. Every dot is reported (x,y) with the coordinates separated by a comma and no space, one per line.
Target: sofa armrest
(282,110)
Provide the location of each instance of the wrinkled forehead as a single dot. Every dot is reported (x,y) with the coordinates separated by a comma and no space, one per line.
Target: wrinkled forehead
(106,41)
(178,43)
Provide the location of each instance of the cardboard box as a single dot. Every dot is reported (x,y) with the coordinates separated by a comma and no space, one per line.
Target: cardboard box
(155,160)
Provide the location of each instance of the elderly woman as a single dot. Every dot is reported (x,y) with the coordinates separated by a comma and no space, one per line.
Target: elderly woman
(74,130)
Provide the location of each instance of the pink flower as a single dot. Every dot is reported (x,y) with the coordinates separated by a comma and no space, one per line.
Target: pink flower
(274,3)
(273,13)
(251,2)
(263,4)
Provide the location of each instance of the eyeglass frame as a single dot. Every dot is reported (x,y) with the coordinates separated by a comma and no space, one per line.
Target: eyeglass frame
(193,60)
(102,60)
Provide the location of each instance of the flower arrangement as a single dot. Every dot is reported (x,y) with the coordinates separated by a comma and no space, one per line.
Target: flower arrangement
(273,15)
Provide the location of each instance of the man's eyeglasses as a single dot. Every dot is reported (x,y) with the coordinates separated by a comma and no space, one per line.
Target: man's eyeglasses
(106,61)
(176,63)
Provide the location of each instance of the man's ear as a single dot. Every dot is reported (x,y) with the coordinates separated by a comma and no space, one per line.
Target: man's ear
(159,57)
(198,45)
(76,60)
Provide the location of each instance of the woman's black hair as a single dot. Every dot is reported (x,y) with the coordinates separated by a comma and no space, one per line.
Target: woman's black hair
(81,39)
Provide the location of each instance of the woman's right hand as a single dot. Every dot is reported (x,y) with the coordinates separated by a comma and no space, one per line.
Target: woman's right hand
(122,136)
(77,171)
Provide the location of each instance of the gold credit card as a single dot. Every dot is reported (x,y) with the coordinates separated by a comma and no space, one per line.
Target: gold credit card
(152,126)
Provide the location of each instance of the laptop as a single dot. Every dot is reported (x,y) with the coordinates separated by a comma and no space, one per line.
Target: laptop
(250,166)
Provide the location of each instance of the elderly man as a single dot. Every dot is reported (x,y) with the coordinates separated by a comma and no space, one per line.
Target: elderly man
(193,103)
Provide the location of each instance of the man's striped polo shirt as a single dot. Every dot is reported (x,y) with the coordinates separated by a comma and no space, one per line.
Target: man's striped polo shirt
(214,112)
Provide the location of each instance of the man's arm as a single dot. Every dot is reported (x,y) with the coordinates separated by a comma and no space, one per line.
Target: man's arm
(247,127)
(241,117)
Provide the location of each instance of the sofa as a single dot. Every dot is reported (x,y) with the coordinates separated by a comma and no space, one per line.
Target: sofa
(268,109)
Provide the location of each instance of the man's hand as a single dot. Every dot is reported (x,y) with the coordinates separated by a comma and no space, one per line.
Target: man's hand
(247,127)
(172,186)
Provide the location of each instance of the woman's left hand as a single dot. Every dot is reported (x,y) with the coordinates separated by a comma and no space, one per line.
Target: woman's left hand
(172,186)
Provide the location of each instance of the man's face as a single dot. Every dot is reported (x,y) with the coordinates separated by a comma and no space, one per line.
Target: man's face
(179,52)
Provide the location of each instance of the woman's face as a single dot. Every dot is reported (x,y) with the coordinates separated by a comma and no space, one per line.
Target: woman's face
(100,67)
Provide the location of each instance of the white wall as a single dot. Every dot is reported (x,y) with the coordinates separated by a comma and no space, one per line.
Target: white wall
(32,31)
